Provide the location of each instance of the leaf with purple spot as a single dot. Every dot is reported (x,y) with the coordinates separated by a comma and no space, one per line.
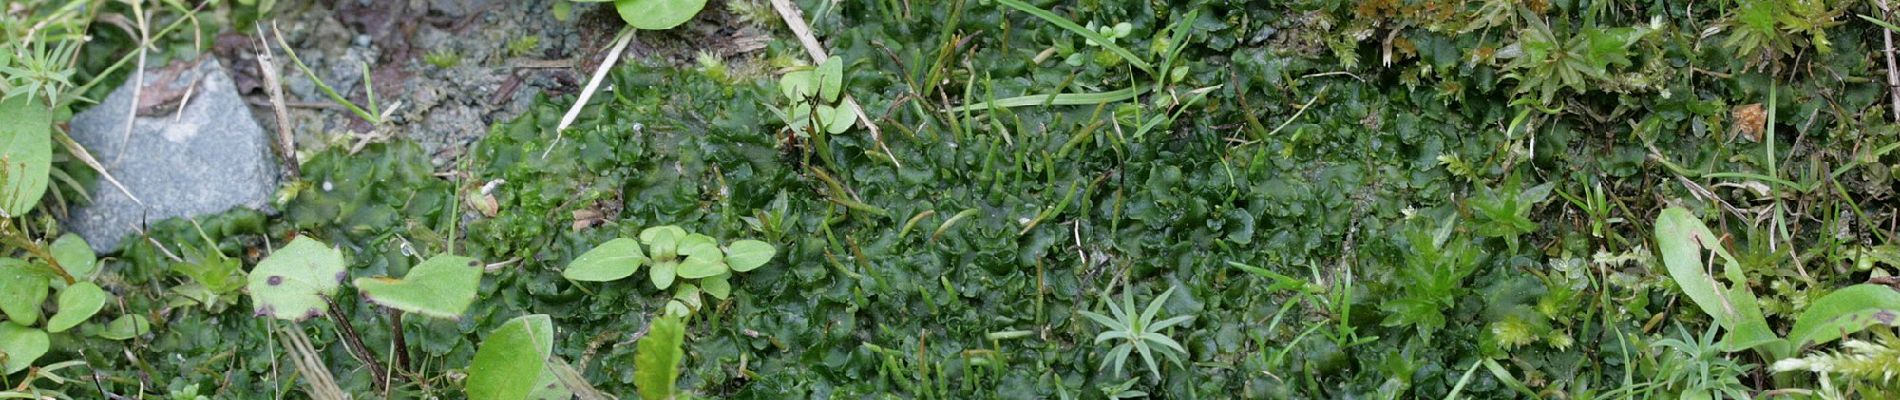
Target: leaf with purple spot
(441,287)
(296,282)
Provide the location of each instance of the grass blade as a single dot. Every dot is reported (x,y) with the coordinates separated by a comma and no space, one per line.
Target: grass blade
(1065,23)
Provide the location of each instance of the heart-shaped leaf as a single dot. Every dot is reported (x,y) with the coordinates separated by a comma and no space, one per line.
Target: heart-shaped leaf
(746,255)
(21,345)
(75,256)
(609,261)
(798,86)
(701,267)
(718,286)
(663,243)
(77,303)
(26,153)
(296,282)
(23,288)
(836,119)
(441,287)
(656,359)
(512,359)
(126,327)
(830,79)
(663,273)
(658,14)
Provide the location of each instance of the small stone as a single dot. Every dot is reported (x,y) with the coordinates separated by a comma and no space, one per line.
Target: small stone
(207,157)
(362,40)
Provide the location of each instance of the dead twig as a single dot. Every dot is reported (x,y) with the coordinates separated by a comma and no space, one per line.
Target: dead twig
(286,148)
(1893,74)
(613,55)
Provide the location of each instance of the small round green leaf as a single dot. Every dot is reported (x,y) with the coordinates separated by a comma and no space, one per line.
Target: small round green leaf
(831,79)
(77,303)
(836,119)
(798,86)
(75,256)
(701,267)
(701,246)
(718,285)
(746,255)
(441,287)
(126,327)
(648,235)
(23,289)
(510,361)
(26,153)
(658,14)
(663,273)
(293,283)
(22,346)
(613,260)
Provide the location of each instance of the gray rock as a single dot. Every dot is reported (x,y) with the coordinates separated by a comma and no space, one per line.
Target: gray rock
(211,158)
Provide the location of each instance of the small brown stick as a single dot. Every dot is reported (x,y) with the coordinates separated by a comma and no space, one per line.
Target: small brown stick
(613,55)
(286,148)
(138,77)
(310,365)
(1893,75)
(796,20)
(354,343)
(402,345)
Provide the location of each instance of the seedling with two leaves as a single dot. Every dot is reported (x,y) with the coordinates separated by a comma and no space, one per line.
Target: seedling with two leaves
(814,94)
(674,254)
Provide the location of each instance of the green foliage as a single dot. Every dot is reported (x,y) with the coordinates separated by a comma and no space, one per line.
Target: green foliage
(1138,333)
(512,359)
(295,283)
(22,345)
(26,153)
(443,58)
(523,45)
(1505,212)
(1681,237)
(23,289)
(1544,62)
(656,362)
(440,287)
(1436,265)
(1870,361)
(814,95)
(77,303)
(1694,367)
(657,14)
(674,254)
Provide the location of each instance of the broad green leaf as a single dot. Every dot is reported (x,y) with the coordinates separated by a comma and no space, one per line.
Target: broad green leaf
(701,267)
(718,286)
(126,327)
(441,287)
(75,256)
(836,119)
(663,243)
(609,261)
(26,153)
(663,273)
(1845,311)
(511,360)
(549,387)
(746,255)
(798,86)
(656,359)
(295,282)
(77,303)
(701,246)
(1682,238)
(830,79)
(22,346)
(23,289)
(214,271)
(658,14)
